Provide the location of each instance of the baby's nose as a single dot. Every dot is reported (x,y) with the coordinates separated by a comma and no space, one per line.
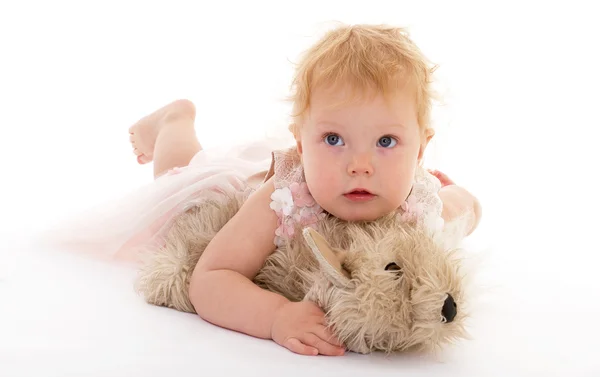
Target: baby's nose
(360,170)
(360,166)
(449,309)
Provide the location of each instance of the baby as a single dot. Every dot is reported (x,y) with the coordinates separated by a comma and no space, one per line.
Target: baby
(361,122)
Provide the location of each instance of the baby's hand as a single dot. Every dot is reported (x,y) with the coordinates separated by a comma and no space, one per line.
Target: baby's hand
(444,180)
(300,327)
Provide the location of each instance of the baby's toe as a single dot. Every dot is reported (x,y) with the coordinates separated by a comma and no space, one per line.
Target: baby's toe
(143,159)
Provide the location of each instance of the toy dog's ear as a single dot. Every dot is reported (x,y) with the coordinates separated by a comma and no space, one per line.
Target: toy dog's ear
(329,260)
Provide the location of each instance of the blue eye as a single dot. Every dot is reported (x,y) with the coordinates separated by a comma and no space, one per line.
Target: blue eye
(333,139)
(387,141)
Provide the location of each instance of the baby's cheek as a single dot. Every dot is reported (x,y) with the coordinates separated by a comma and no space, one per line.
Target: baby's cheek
(398,189)
(406,179)
(314,181)
(323,188)
(323,175)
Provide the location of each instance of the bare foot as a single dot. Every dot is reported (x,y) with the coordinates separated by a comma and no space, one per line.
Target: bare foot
(144,132)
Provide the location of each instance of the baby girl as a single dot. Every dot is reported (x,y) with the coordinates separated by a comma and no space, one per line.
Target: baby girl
(361,124)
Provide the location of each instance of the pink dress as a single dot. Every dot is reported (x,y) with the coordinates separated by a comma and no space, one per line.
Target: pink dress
(118,230)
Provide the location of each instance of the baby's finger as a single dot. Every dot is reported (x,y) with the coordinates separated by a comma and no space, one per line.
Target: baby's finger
(442,177)
(297,346)
(325,333)
(324,347)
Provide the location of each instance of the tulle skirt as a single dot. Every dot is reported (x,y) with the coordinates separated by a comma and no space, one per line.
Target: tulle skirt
(120,229)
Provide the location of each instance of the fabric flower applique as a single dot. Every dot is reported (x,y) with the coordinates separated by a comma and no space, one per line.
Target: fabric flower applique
(301,195)
(283,204)
(282,201)
(294,206)
(412,208)
(285,230)
(309,215)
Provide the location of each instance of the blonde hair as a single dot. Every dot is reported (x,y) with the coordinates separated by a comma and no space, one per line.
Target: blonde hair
(366,57)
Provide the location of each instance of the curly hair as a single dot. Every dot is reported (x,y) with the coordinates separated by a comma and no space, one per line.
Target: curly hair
(368,58)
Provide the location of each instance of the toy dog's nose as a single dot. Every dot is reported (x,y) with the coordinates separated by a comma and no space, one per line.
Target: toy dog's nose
(449,309)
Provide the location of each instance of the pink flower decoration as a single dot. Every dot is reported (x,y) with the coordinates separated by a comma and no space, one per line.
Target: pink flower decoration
(282,201)
(301,195)
(294,206)
(412,209)
(285,230)
(278,241)
(309,215)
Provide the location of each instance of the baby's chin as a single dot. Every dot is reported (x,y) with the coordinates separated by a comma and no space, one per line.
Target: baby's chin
(360,211)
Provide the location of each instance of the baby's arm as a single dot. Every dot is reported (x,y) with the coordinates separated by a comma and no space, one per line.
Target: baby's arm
(222,291)
(457,201)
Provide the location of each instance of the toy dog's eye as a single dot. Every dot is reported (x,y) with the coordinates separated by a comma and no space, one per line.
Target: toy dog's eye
(394,268)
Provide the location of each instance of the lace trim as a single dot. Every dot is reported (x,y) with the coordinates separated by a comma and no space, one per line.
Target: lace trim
(287,167)
(424,206)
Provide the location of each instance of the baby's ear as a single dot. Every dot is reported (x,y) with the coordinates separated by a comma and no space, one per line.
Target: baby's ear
(295,130)
(426,138)
(329,260)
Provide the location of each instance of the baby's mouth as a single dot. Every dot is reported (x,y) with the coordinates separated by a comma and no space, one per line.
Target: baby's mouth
(359,195)
(359,191)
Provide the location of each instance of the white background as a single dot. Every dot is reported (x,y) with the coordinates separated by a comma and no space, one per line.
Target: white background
(519,129)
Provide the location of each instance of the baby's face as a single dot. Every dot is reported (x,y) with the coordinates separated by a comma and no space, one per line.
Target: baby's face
(365,146)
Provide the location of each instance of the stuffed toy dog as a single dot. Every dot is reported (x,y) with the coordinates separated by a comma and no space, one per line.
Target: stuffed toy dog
(384,285)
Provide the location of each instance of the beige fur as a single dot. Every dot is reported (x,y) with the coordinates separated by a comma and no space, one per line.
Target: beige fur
(367,307)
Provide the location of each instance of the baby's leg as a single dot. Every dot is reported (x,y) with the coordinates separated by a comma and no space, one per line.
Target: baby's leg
(167,137)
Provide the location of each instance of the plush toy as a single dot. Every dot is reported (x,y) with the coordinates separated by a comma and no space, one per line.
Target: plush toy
(384,285)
